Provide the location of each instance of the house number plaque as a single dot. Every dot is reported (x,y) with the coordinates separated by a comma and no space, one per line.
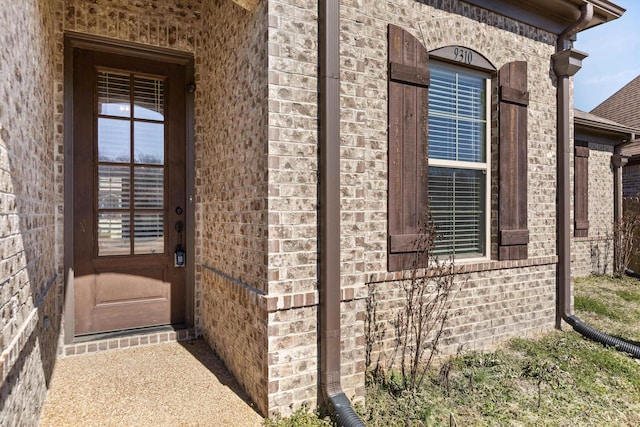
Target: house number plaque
(462,55)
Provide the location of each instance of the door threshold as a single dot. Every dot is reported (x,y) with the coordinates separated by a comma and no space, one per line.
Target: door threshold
(127,332)
(118,340)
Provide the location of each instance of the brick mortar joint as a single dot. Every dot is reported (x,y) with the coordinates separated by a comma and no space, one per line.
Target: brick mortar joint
(490,265)
(280,303)
(276,303)
(593,239)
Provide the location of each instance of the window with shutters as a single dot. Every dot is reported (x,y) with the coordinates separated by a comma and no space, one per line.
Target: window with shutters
(440,123)
(459,171)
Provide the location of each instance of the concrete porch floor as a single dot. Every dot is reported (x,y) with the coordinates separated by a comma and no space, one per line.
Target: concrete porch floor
(170,384)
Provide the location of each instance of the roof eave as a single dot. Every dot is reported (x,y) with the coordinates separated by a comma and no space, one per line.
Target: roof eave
(622,131)
(552,15)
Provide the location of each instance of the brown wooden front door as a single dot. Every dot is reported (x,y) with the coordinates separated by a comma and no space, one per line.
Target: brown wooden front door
(129,191)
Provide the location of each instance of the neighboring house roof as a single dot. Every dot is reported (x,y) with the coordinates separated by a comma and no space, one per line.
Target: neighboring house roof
(594,128)
(623,106)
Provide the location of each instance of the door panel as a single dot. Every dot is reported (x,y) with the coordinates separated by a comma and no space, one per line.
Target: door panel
(129,181)
(131,286)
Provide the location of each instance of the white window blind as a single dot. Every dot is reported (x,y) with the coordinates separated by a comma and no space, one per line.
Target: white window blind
(458,172)
(458,210)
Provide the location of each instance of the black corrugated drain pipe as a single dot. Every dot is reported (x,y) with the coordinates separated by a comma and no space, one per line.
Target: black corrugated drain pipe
(595,335)
(329,214)
(566,62)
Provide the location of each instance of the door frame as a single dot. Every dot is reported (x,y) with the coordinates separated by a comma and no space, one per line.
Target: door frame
(73,40)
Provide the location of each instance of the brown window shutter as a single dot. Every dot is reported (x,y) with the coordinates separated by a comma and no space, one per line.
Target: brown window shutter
(513,234)
(408,113)
(581,189)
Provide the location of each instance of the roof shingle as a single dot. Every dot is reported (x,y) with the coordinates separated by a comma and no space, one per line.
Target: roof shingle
(623,106)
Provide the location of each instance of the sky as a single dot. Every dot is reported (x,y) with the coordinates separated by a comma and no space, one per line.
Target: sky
(614,57)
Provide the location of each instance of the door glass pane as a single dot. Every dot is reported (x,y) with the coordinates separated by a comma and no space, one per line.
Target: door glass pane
(149,233)
(149,188)
(114,140)
(149,143)
(144,144)
(114,234)
(114,186)
(148,98)
(113,94)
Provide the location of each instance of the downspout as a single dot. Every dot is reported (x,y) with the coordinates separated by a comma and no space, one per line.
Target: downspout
(329,214)
(566,62)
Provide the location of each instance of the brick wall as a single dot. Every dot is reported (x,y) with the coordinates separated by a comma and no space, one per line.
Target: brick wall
(293,180)
(293,167)
(631,179)
(29,325)
(235,326)
(160,23)
(499,300)
(293,204)
(487,308)
(594,254)
(231,193)
(231,151)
